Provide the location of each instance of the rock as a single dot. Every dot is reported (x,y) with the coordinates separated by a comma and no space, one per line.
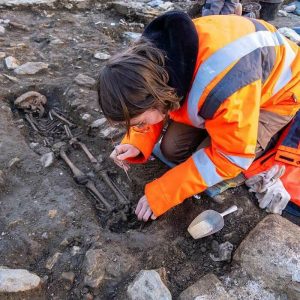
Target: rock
(2,30)
(69,276)
(148,286)
(47,159)
(109,132)
(94,265)
(2,55)
(224,252)
(102,56)
(31,68)
(2,179)
(296,276)
(131,36)
(165,6)
(215,246)
(98,123)
(4,21)
(282,13)
(207,288)
(240,287)
(88,296)
(86,117)
(155,3)
(52,213)
(56,41)
(85,80)
(75,250)
(17,280)
(13,162)
(45,235)
(271,252)
(33,145)
(11,63)
(25,2)
(53,260)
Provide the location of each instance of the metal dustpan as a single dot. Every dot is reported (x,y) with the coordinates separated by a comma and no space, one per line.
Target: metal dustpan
(208,222)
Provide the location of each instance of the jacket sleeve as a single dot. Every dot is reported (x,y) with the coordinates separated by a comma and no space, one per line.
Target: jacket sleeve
(233,132)
(144,140)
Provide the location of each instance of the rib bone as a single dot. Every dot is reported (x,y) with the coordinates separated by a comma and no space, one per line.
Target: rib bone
(63,119)
(29,120)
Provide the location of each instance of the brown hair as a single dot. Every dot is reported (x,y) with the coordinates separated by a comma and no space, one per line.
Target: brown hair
(134,81)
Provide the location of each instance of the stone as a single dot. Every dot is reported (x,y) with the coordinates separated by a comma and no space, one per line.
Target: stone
(11,63)
(224,252)
(165,6)
(240,286)
(2,179)
(69,276)
(296,276)
(47,159)
(52,213)
(2,30)
(14,162)
(155,3)
(148,286)
(31,68)
(25,2)
(282,13)
(51,261)
(33,145)
(85,80)
(56,41)
(98,123)
(94,265)
(108,132)
(75,250)
(86,117)
(17,280)
(270,252)
(102,56)
(131,36)
(208,287)
(2,55)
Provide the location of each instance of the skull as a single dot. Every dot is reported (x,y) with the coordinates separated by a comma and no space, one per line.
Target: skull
(31,102)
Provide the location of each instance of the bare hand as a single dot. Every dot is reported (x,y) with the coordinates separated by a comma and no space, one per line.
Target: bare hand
(122,152)
(143,210)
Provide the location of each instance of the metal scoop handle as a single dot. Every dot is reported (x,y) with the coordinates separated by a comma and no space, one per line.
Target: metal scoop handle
(230,210)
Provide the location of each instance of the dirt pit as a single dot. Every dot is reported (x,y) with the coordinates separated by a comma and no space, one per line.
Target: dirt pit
(45,213)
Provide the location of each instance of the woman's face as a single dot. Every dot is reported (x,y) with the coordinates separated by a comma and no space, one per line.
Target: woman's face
(149,117)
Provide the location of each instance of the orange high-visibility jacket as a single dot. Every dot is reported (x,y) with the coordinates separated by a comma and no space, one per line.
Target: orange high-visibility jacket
(243,66)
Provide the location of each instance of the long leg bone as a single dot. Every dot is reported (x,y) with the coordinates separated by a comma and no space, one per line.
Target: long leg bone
(121,198)
(103,174)
(92,188)
(79,176)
